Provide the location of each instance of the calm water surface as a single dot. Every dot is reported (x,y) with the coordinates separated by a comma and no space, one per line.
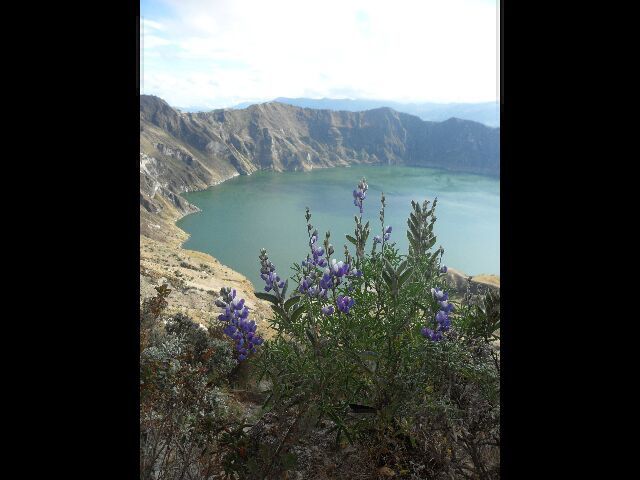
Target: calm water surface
(266,210)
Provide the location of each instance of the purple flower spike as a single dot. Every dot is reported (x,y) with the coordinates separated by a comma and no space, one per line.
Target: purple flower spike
(345,303)
(442,319)
(441,316)
(239,328)
(443,269)
(328,310)
(431,335)
(446,306)
(439,294)
(360,194)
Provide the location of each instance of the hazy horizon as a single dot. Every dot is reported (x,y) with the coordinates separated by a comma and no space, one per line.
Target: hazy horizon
(380,100)
(221,53)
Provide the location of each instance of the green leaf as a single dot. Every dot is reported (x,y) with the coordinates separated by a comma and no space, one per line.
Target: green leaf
(284,290)
(387,278)
(291,301)
(311,337)
(267,296)
(351,239)
(297,312)
(388,267)
(405,276)
(401,268)
(278,309)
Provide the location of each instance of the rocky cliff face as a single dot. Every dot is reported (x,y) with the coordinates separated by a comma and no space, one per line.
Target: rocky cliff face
(189,151)
(181,152)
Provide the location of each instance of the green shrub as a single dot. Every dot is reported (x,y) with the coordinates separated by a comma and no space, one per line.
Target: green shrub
(373,344)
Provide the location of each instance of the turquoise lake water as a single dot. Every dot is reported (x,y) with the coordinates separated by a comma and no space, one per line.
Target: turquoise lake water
(266,209)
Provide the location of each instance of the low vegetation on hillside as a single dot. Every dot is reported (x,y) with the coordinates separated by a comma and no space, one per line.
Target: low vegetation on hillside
(374,371)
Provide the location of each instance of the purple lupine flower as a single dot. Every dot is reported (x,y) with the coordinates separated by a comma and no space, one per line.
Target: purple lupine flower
(441,316)
(445,325)
(431,335)
(320,275)
(377,239)
(446,306)
(338,269)
(443,269)
(356,273)
(316,251)
(269,275)
(326,282)
(237,303)
(239,328)
(442,320)
(345,303)
(328,310)
(305,285)
(439,294)
(360,194)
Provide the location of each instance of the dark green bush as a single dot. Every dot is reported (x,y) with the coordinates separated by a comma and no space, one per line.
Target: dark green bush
(375,354)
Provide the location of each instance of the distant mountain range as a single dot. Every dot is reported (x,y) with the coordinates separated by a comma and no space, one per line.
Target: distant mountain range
(182,151)
(487,112)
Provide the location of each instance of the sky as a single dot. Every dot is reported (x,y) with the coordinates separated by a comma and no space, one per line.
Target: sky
(218,53)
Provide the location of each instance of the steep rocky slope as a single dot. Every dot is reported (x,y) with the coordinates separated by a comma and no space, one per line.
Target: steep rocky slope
(181,152)
(195,280)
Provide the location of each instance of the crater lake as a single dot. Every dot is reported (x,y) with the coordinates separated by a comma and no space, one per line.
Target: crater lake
(266,210)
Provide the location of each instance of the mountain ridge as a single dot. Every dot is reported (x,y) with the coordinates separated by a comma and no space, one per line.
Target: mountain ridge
(487,113)
(183,151)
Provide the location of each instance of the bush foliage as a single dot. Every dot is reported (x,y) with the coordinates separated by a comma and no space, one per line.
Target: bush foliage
(370,343)
(401,360)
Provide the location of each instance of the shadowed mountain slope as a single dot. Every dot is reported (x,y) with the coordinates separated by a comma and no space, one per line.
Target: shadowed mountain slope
(182,152)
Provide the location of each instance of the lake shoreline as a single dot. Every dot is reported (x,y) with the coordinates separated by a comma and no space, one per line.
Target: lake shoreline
(492,278)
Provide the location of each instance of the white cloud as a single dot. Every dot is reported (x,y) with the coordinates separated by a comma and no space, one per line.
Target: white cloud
(219,52)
